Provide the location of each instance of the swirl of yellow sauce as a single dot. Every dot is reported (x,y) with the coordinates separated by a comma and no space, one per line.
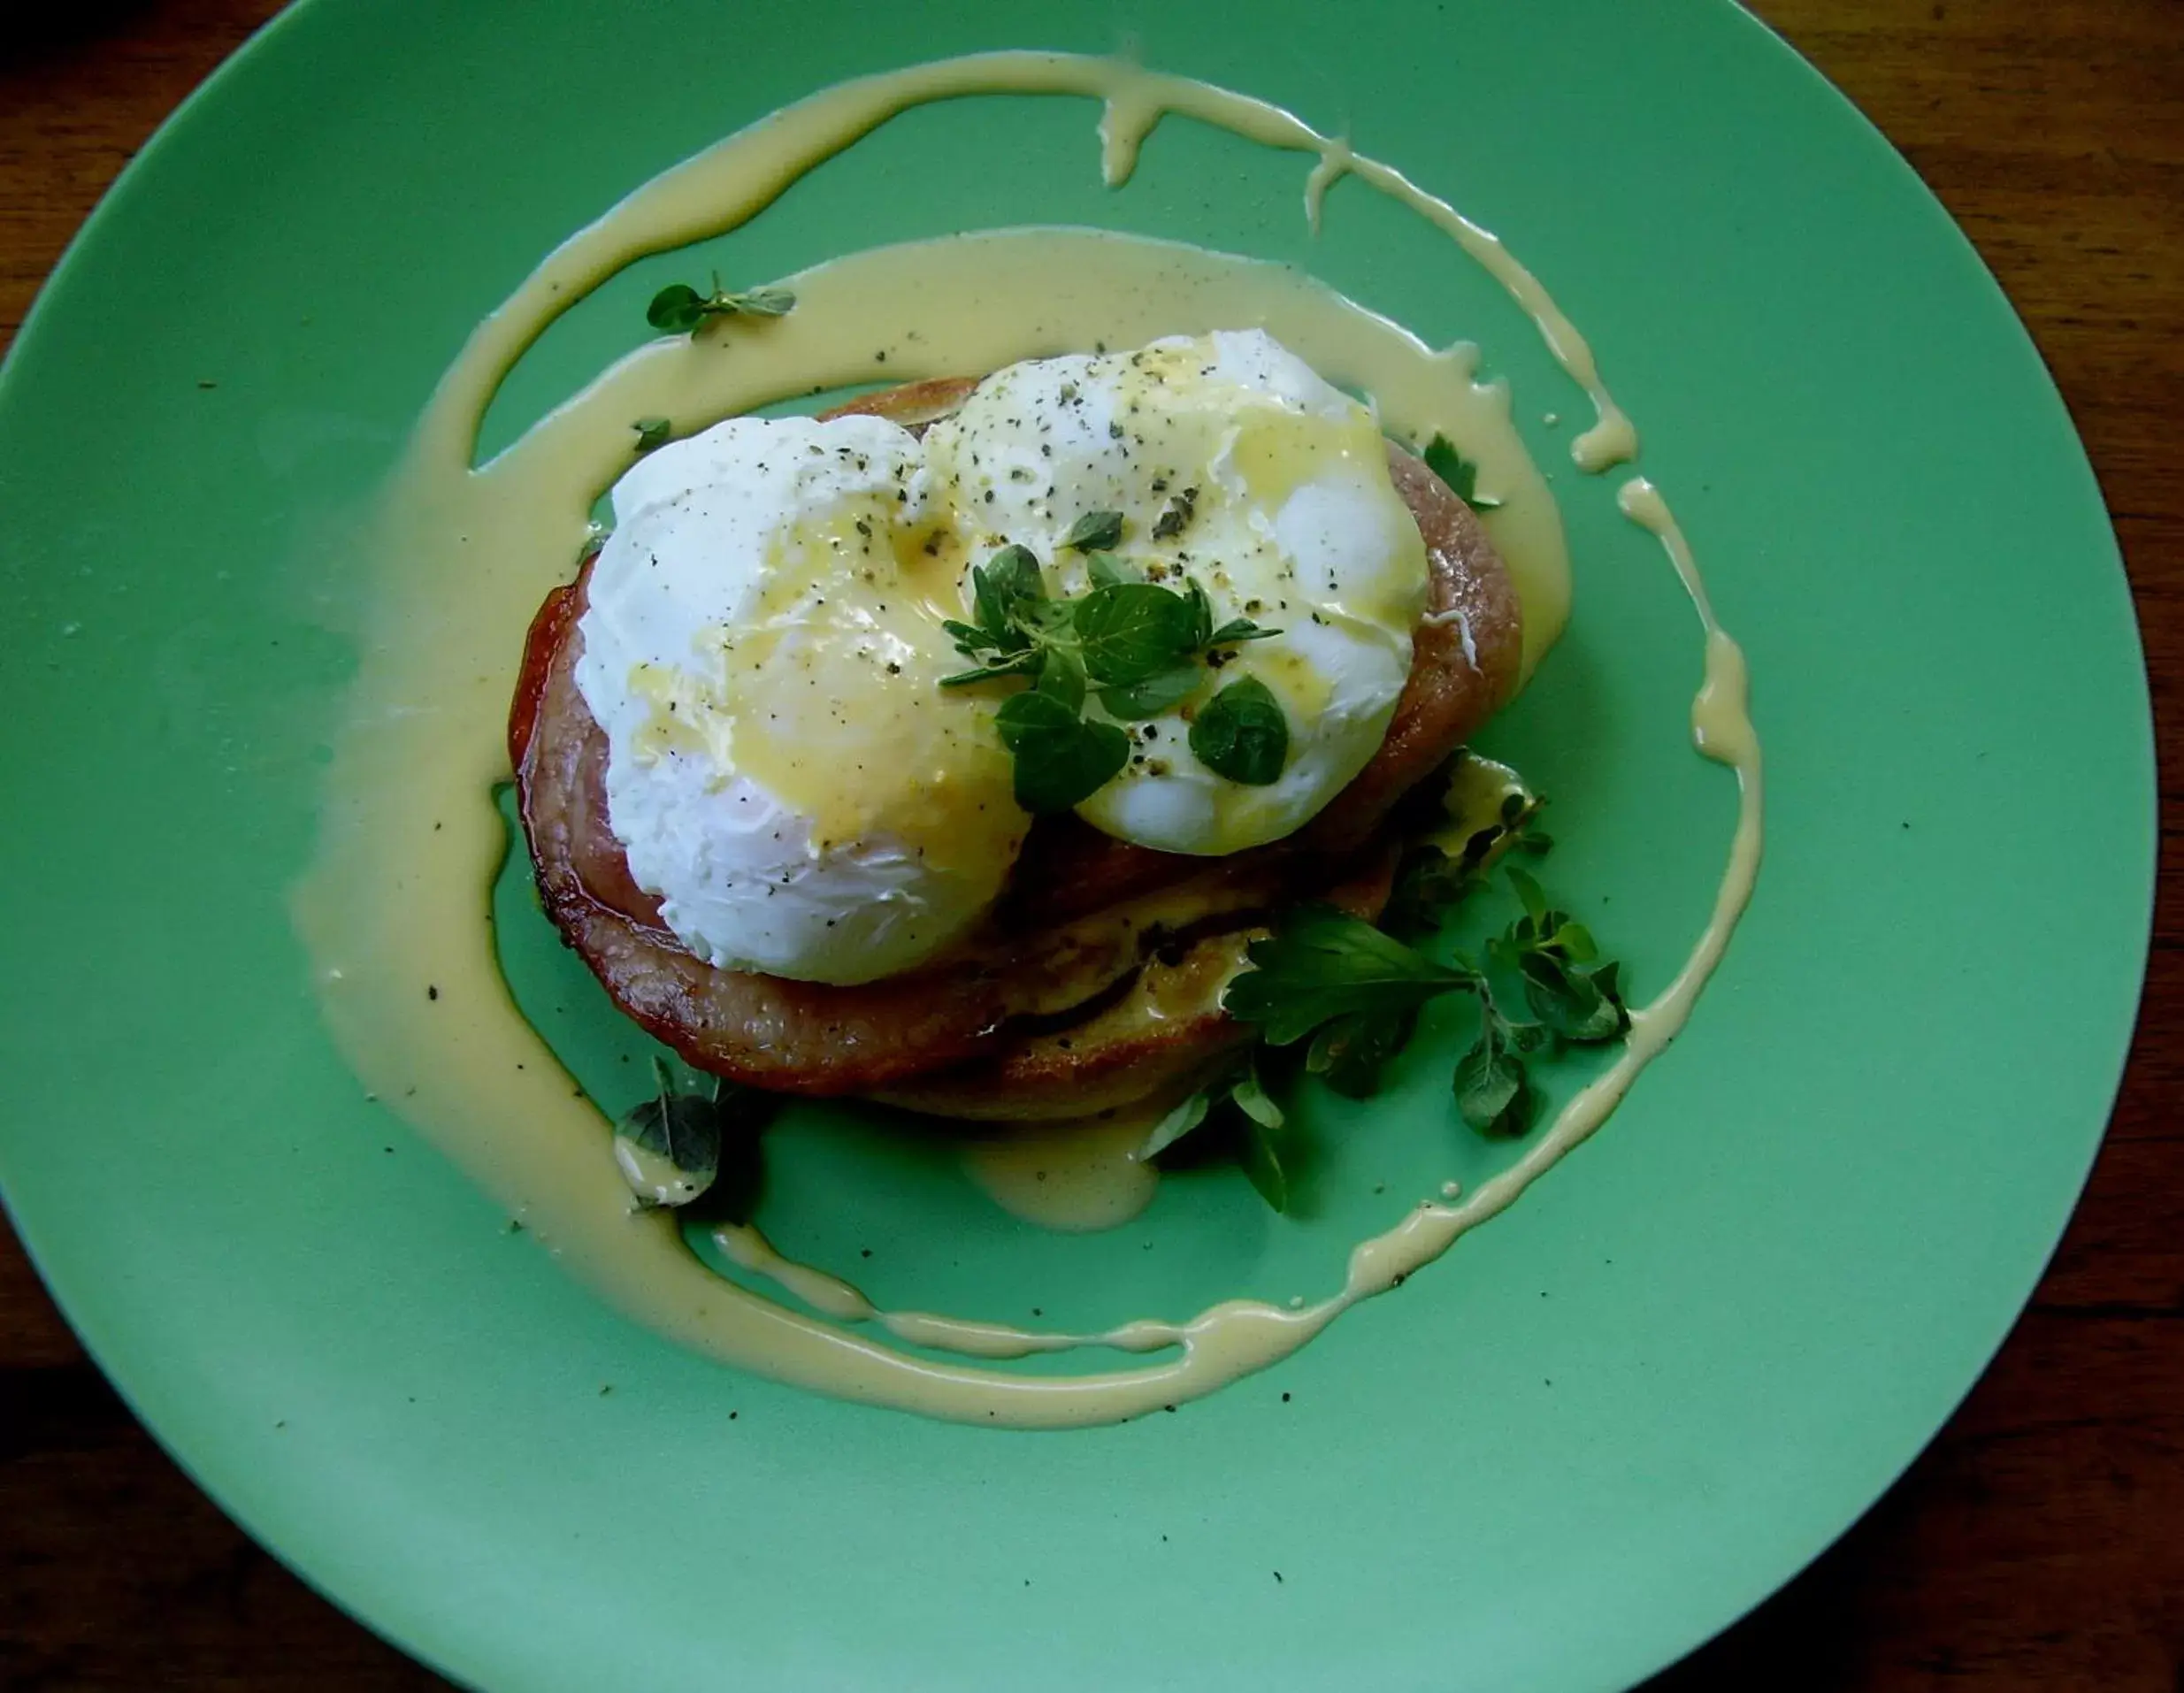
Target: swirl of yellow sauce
(399,892)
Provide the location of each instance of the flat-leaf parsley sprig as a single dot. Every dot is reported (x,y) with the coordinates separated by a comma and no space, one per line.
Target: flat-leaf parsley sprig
(1134,647)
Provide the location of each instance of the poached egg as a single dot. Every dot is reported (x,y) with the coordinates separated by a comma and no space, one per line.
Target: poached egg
(764,643)
(1236,466)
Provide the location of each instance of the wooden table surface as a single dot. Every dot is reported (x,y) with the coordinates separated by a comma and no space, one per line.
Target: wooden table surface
(2039,1544)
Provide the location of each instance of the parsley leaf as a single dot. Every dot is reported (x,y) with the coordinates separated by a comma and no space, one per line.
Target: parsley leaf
(1241,734)
(1460,474)
(1321,964)
(652,432)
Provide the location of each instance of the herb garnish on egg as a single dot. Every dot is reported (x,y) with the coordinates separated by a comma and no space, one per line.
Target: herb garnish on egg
(1137,648)
(1242,734)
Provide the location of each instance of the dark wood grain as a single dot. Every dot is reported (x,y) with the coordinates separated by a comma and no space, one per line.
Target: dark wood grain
(2038,1544)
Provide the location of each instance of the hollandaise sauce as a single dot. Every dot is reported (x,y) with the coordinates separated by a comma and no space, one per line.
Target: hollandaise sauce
(399,892)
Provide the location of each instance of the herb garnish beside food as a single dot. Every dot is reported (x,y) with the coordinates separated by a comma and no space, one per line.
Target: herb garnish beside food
(1460,474)
(652,432)
(678,1147)
(1133,647)
(679,308)
(1351,992)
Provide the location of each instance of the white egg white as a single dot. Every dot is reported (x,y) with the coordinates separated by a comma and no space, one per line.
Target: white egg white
(784,770)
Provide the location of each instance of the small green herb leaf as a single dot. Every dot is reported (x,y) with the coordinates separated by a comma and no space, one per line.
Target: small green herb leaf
(1491,1089)
(679,308)
(1263,1163)
(651,432)
(759,303)
(1153,695)
(1427,883)
(1255,1124)
(1024,717)
(668,1148)
(1061,676)
(1130,631)
(1013,577)
(1104,571)
(1460,474)
(1173,1127)
(1024,664)
(1350,1052)
(1236,630)
(1094,531)
(1530,892)
(1572,1003)
(1241,734)
(1061,761)
(1252,1097)
(1201,612)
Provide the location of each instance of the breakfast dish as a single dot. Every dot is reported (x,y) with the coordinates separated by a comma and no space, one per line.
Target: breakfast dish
(1069,735)
(913,929)
(363,1258)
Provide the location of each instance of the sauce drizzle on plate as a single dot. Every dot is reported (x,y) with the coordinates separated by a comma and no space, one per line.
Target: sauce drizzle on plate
(398,895)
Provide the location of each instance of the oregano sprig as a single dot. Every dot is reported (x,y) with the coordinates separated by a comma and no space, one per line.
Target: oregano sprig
(679,308)
(1136,647)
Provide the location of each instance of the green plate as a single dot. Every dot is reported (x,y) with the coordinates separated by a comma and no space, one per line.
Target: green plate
(1608,1422)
